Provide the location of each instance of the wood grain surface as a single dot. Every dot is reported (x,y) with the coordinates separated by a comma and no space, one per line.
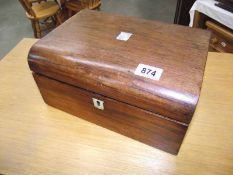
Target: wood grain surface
(221,38)
(123,118)
(84,52)
(38,139)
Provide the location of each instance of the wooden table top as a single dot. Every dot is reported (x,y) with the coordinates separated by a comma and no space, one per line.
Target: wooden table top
(39,139)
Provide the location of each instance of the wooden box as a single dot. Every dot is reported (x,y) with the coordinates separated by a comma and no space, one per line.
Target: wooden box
(137,77)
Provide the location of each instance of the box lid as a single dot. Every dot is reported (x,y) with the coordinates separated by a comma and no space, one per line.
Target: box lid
(152,65)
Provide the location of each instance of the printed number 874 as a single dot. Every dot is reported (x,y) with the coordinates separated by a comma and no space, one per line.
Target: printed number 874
(148,71)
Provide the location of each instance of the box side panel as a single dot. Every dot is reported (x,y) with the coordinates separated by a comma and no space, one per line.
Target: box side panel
(120,117)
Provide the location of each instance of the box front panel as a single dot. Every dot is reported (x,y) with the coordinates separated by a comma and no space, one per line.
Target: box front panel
(123,118)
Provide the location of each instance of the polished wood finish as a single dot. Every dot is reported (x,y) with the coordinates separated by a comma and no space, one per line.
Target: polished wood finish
(199,20)
(74,6)
(38,139)
(40,14)
(92,58)
(128,120)
(222,37)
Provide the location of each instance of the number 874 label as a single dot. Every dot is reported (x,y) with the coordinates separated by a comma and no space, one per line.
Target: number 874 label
(147,71)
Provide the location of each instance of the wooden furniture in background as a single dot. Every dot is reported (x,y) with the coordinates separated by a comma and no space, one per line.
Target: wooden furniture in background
(42,15)
(205,14)
(202,11)
(160,110)
(222,37)
(199,20)
(39,139)
(75,6)
(35,1)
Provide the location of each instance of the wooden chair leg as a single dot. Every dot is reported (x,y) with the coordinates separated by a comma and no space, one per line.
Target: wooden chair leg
(34,28)
(58,19)
(38,30)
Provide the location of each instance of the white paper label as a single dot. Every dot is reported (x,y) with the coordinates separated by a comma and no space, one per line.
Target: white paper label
(147,71)
(124,36)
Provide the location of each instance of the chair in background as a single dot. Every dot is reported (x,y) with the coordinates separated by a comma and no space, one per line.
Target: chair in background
(43,15)
(35,1)
(74,6)
(38,1)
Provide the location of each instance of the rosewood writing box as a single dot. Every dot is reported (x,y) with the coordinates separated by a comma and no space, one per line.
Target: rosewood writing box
(137,77)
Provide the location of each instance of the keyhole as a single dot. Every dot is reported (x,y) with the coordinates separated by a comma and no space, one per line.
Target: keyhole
(98,103)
